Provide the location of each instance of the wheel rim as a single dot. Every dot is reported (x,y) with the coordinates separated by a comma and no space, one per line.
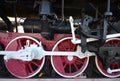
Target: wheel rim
(68,66)
(116,65)
(19,68)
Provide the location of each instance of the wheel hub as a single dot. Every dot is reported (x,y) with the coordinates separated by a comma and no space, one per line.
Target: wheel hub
(70,58)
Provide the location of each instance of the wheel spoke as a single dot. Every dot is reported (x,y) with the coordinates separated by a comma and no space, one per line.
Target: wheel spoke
(30,68)
(19,44)
(35,63)
(70,70)
(62,47)
(76,67)
(65,66)
(79,62)
(60,63)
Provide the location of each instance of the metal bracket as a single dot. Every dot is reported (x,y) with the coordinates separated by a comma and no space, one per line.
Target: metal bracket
(78,41)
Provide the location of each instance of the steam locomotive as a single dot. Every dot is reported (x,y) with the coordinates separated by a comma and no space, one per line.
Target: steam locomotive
(61,37)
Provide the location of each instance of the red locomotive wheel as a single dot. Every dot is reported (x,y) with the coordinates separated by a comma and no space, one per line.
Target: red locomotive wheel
(19,68)
(113,66)
(68,66)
